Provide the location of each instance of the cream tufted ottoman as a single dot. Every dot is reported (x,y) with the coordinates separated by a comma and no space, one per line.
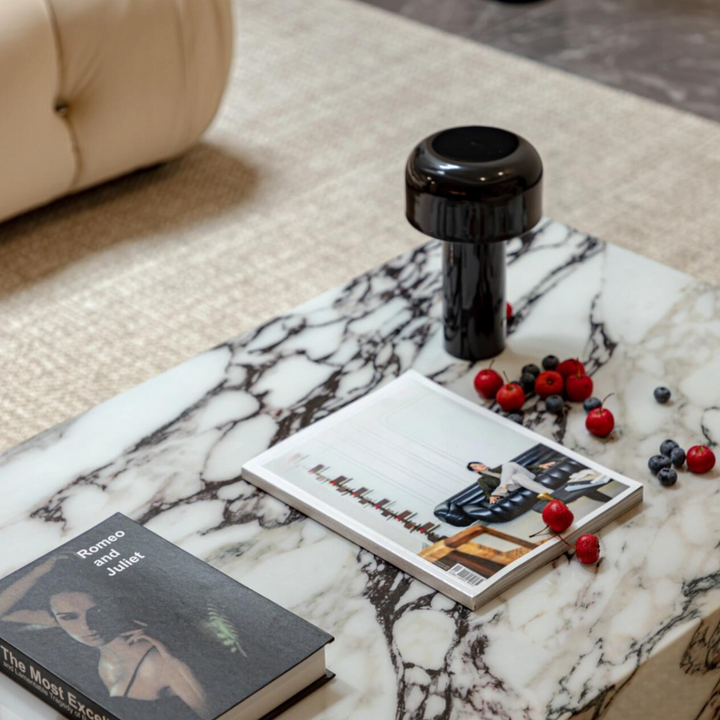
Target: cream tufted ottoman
(92,89)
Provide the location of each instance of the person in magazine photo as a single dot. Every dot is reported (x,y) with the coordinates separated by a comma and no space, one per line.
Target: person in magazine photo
(496,485)
(513,496)
(136,669)
(515,485)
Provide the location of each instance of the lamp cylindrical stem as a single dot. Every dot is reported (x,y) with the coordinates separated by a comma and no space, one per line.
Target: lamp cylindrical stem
(474,299)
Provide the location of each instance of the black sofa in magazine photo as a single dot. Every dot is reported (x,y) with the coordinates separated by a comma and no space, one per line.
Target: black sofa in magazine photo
(470,505)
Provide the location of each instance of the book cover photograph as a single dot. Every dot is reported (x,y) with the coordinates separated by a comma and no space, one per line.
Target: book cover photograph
(445,489)
(120,624)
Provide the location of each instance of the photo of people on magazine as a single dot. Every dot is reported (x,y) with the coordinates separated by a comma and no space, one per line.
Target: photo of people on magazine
(452,485)
(503,506)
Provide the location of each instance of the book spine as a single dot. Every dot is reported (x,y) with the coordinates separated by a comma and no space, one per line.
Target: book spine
(48,687)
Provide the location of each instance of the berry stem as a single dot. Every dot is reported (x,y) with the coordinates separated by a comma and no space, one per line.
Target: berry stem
(546,531)
(605,398)
(543,531)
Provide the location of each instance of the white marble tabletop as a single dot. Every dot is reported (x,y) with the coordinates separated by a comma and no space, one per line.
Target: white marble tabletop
(636,637)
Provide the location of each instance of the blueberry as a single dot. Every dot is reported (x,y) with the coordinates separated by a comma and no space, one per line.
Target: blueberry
(667,447)
(531,369)
(527,382)
(662,395)
(550,362)
(657,463)
(592,403)
(677,457)
(667,477)
(515,417)
(554,404)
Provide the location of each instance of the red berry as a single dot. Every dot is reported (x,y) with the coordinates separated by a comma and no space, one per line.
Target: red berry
(487,382)
(557,516)
(570,367)
(600,422)
(578,387)
(587,549)
(510,397)
(548,383)
(508,311)
(700,459)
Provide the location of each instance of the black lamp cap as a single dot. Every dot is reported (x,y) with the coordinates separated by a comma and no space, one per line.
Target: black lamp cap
(474,184)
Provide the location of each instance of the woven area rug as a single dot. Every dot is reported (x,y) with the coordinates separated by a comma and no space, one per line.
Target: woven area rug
(298,186)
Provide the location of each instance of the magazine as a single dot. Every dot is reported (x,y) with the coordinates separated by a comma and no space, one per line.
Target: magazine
(440,487)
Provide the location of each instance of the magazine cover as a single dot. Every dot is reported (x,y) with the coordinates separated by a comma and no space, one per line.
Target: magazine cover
(441,487)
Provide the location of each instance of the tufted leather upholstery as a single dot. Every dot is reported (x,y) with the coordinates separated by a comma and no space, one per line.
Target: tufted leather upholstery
(519,501)
(470,506)
(92,89)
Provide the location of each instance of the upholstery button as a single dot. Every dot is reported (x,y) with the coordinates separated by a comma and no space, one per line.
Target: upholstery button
(62,108)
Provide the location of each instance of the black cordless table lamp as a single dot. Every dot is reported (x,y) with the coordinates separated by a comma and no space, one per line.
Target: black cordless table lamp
(473,188)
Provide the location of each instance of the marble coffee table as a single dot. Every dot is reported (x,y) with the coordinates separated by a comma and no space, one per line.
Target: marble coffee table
(636,637)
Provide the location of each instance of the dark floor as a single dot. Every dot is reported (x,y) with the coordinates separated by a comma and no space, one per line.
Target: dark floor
(667,50)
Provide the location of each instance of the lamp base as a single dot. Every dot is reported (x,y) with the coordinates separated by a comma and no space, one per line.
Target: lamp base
(474,299)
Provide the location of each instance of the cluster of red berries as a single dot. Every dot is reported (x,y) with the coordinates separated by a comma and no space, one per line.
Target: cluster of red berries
(567,377)
(556,380)
(558,517)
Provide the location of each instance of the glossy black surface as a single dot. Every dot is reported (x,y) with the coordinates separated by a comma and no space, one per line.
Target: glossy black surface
(474,184)
(474,299)
(474,187)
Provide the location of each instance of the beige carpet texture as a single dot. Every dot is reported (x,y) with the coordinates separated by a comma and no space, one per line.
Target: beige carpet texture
(298,186)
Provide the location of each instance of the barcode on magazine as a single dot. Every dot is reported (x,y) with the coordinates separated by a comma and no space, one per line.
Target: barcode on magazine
(470,577)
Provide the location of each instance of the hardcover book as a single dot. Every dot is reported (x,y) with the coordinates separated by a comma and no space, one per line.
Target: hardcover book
(119,624)
(443,488)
